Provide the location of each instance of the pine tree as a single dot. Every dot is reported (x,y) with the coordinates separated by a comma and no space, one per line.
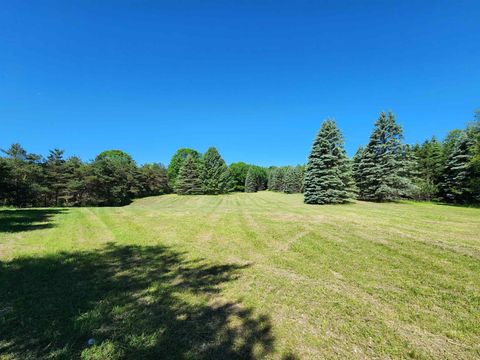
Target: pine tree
(327,175)
(293,180)
(381,173)
(176,163)
(256,179)
(216,174)
(276,178)
(251,181)
(458,171)
(188,181)
(55,174)
(357,170)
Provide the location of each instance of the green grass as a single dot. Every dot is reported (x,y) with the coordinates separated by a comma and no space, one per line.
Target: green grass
(241,276)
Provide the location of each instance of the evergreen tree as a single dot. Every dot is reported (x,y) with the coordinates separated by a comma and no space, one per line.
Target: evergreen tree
(215,173)
(278,179)
(24,185)
(78,176)
(189,180)
(293,180)
(428,169)
(473,132)
(114,178)
(177,162)
(256,179)
(55,175)
(327,175)
(461,178)
(357,170)
(251,181)
(381,173)
(4,182)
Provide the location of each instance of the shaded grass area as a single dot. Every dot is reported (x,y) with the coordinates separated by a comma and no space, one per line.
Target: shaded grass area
(27,219)
(245,276)
(136,302)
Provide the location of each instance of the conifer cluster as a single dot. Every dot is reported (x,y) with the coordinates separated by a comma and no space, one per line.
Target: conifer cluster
(208,174)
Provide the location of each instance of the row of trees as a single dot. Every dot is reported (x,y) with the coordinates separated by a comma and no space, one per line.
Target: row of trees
(190,173)
(287,179)
(383,170)
(113,178)
(386,169)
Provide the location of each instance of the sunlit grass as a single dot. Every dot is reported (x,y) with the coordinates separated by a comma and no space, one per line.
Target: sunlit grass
(241,276)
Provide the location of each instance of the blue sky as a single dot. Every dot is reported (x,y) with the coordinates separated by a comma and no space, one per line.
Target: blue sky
(253,78)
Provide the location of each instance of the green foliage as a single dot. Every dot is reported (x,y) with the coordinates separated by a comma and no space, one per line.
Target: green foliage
(276,178)
(153,179)
(382,171)
(239,172)
(25,177)
(116,155)
(256,179)
(55,175)
(461,175)
(328,173)
(114,178)
(429,168)
(177,162)
(189,181)
(215,173)
(293,179)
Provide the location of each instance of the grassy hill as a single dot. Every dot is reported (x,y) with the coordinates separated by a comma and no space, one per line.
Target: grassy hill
(240,276)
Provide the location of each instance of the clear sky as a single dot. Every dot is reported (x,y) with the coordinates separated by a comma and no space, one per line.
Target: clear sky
(253,78)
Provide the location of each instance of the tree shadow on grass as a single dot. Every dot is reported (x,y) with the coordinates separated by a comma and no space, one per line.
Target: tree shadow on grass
(136,302)
(27,219)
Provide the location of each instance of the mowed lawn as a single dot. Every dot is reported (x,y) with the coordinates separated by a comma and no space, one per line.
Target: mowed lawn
(241,276)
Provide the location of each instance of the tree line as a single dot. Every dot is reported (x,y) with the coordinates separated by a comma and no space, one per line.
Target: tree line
(384,169)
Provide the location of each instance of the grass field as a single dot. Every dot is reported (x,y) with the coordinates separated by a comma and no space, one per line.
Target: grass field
(241,276)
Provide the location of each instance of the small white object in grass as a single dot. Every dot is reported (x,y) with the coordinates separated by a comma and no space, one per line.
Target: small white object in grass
(91,342)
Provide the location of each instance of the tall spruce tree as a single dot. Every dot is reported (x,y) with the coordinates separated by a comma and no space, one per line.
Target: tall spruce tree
(327,174)
(188,181)
(458,171)
(215,173)
(381,173)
